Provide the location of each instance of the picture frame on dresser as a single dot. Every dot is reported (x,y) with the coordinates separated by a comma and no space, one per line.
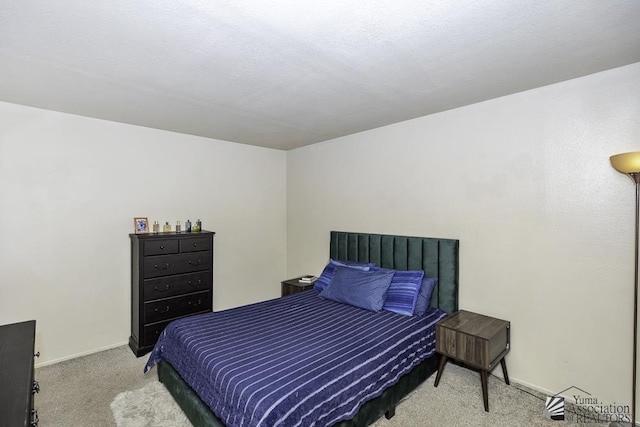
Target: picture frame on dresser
(141,225)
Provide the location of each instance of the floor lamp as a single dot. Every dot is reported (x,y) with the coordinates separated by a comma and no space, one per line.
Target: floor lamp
(629,163)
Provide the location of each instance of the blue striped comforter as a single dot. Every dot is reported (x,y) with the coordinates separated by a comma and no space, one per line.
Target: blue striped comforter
(294,361)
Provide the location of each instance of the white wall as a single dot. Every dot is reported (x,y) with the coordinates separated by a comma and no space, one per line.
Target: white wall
(70,187)
(545,223)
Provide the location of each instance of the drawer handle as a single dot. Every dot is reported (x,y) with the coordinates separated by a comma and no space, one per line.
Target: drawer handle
(166,310)
(195,245)
(162,266)
(162,247)
(166,288)
(195,304)
(198,283)
(35,388)
(195,263)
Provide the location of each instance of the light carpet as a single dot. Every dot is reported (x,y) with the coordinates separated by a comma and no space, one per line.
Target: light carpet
(149,406)
(457,401)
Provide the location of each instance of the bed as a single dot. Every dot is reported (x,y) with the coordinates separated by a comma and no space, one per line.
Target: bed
(300,385)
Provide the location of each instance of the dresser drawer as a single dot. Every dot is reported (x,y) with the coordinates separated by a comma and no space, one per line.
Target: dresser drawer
(160,247)
(176,264)
(152,332)
(165,287)
(194,244)
(169,308)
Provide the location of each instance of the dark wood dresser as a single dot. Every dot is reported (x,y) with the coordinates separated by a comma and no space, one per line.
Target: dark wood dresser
(171,277)
(17,385)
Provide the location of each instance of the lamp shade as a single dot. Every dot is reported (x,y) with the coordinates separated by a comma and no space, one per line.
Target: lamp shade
(626,162)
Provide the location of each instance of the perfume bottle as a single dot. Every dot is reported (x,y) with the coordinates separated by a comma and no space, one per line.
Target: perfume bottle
(197,226)
(167,227)
(178,227)
(187,226)
(156,227)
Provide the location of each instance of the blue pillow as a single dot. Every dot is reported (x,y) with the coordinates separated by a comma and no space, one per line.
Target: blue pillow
(424,296)
(326,276)
(403,291)
(360,288)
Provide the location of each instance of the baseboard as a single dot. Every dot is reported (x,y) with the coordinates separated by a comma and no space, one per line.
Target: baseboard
(85,353)
(530,386)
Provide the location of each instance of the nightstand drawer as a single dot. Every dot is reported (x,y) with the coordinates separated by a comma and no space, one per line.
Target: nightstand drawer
(476,340)
(472,338)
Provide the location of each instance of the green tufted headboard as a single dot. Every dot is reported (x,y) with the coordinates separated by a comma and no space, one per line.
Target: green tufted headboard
(437,257)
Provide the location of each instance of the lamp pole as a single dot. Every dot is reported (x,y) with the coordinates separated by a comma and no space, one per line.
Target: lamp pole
(629,163)
(636,178)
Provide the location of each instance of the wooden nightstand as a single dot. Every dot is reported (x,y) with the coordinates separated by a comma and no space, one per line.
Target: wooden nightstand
(293,286)
(475,340)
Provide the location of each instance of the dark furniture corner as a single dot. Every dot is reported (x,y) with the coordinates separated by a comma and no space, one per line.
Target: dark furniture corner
(171,277)
(16,375)
(477,341)
(293,286)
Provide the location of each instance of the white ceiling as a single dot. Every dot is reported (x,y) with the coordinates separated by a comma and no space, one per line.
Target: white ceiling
(287,73)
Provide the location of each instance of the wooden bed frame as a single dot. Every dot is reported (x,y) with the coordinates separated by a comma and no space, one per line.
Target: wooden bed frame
(437,257)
